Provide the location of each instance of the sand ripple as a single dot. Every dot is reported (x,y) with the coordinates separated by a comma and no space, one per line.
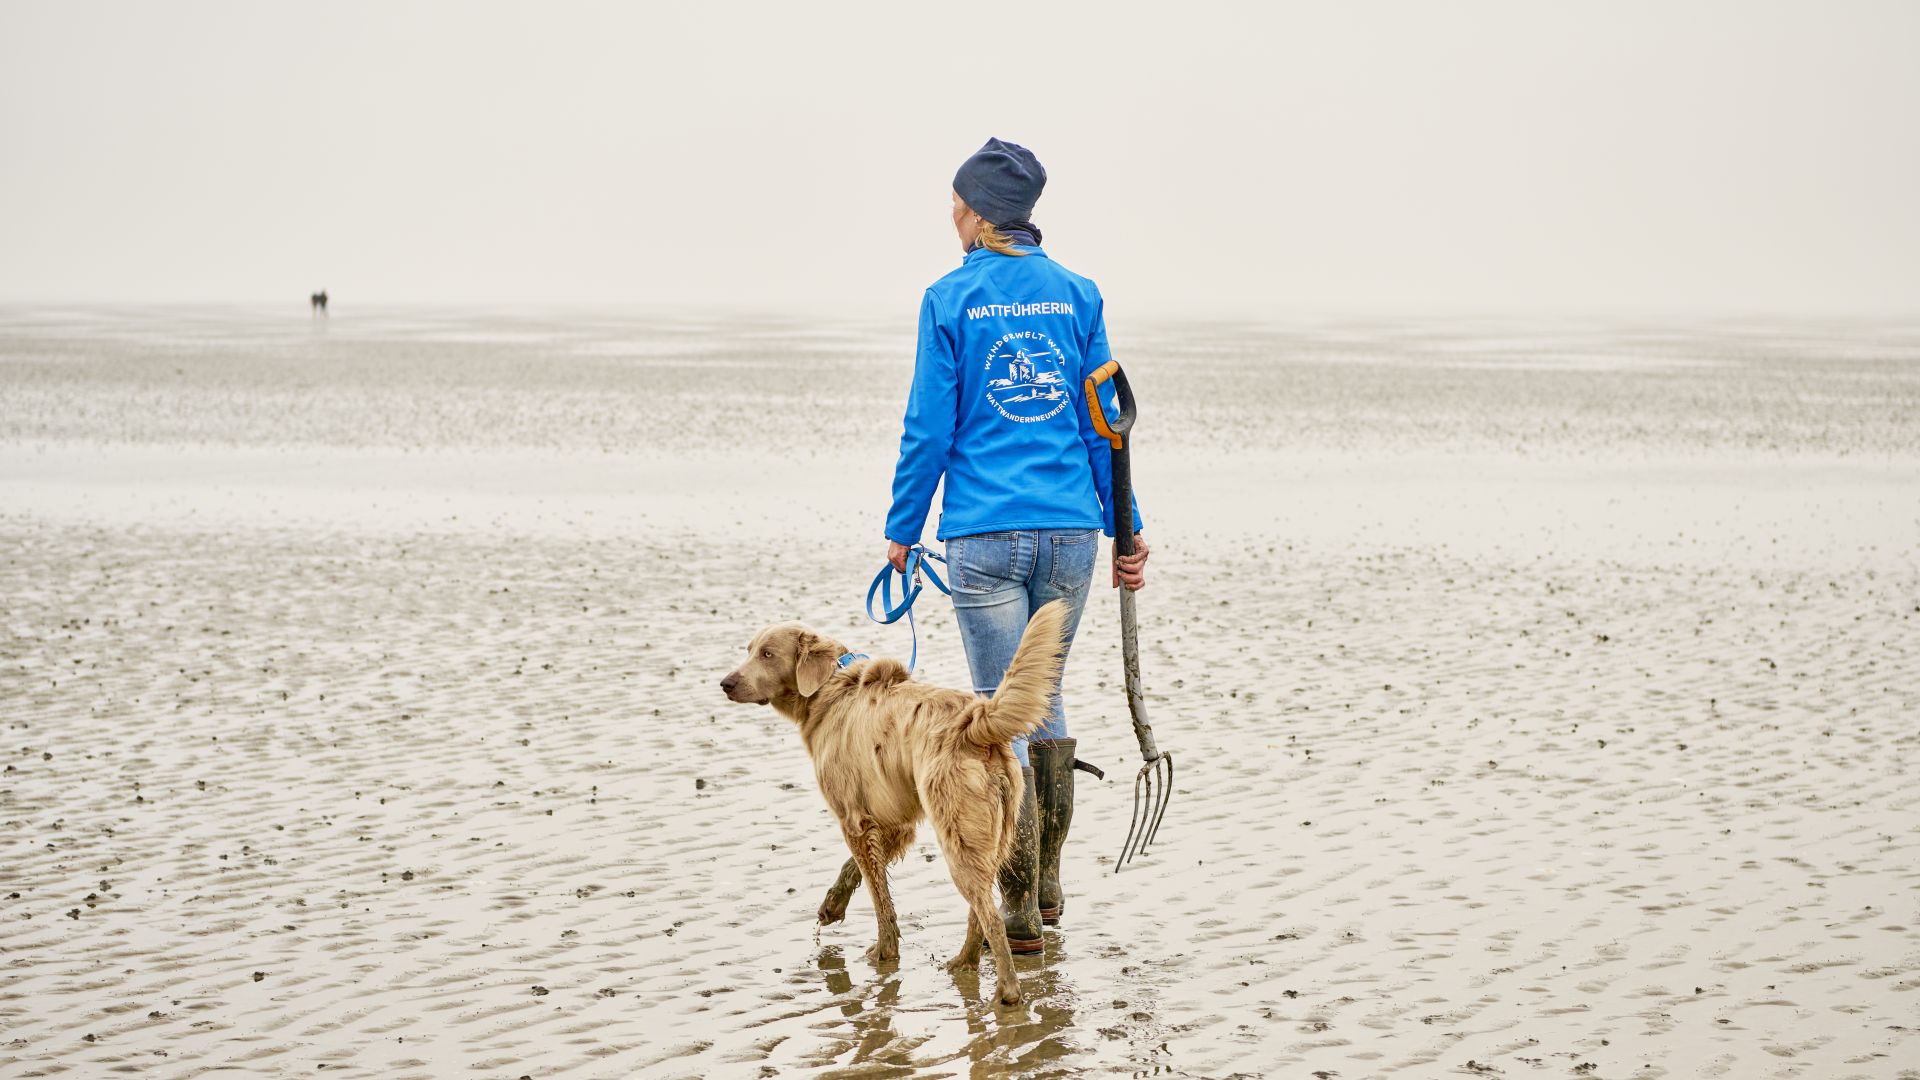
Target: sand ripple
(438,804)
(1561,759)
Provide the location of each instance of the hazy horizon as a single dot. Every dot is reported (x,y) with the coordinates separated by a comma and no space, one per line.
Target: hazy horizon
(1704,159)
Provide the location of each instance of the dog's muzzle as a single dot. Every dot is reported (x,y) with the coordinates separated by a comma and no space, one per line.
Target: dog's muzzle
(731,684)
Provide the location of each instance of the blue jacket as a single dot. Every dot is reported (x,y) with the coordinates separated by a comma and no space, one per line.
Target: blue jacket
(997,404)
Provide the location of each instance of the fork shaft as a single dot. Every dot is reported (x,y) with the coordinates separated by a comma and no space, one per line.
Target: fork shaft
(1136,697)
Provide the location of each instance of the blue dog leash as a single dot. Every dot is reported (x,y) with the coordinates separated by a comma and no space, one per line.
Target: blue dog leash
(918,559)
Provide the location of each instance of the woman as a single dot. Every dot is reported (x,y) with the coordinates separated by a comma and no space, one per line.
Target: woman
(1006,343)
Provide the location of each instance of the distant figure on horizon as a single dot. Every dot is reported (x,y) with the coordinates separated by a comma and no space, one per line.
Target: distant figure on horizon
(320,302)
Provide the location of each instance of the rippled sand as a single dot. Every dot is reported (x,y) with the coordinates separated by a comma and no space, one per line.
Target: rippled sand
(1543,699)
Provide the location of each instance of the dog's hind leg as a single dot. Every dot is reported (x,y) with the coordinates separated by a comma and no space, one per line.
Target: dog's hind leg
(969,956)
(834,907)
(973,870)
(987,915)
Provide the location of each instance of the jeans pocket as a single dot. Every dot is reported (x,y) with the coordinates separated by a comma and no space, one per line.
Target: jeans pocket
(982,563)
(1073,557)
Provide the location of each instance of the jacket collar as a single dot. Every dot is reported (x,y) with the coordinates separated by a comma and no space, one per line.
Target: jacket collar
(980,252)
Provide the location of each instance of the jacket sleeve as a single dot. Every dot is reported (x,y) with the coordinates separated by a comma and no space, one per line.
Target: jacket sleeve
(1099,453)
(927,441)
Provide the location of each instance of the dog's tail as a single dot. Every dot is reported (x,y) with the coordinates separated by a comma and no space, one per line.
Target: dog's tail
(1026,691)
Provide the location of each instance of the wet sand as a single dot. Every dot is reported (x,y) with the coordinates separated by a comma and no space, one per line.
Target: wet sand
(1543,701)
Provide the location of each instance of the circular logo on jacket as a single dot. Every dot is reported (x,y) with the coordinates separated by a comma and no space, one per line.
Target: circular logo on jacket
(1026,377)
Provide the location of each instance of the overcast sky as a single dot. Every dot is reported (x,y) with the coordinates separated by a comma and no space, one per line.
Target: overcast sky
(1265,159)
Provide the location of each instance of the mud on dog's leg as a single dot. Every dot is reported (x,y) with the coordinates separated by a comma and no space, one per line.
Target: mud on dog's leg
(834,907)
(869,850)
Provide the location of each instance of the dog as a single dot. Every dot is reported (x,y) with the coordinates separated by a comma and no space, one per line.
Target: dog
(888,751)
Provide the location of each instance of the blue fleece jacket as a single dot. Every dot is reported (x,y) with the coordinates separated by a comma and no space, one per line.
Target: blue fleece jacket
(997,404)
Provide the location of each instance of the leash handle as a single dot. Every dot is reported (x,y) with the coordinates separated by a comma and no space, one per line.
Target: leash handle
(1114,429)
(919,559)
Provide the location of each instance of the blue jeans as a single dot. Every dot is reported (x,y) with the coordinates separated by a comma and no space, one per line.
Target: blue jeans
(999,580)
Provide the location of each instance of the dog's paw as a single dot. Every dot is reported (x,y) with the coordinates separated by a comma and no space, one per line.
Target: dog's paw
(883,952)
(833,907)
(966,961)
(1010,993)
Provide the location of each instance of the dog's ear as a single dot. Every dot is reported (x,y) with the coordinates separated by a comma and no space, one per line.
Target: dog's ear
(814,667)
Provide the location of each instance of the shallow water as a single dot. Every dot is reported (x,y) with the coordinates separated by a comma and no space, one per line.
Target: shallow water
(632,384)
(1542,699)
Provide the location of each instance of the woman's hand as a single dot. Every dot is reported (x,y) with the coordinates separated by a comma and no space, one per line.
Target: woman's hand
(897,556)
(1131,570)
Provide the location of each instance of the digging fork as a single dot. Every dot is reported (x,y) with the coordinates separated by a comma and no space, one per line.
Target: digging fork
(1153,786)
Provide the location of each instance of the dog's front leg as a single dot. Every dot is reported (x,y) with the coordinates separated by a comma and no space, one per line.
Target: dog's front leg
(834,907)
(871,850)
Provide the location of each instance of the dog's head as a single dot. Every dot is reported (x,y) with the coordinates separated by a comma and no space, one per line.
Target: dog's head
(784,662)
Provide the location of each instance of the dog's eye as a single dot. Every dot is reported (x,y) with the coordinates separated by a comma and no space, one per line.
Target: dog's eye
(767,653)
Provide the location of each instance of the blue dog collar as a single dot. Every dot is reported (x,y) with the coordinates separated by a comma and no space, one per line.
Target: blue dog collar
(849,657)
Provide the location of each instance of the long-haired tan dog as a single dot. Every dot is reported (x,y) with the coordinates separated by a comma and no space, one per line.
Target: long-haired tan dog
(888,751)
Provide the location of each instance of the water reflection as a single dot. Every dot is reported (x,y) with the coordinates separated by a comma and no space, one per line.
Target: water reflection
(899,1021)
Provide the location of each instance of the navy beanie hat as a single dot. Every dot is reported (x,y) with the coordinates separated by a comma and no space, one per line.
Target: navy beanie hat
(1001,181)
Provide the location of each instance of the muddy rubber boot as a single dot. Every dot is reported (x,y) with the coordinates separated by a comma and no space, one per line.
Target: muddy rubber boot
(1053,775)
(1019,908)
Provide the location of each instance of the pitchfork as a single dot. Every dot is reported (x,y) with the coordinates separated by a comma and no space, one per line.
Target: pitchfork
(1153,787)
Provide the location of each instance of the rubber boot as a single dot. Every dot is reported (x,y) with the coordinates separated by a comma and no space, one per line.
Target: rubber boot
(1018,897)
(1053,775)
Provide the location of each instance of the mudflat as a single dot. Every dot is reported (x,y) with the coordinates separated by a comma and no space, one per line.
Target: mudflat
(1543,699)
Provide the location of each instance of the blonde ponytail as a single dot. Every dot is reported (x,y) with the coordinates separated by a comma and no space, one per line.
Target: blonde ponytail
(996,241)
